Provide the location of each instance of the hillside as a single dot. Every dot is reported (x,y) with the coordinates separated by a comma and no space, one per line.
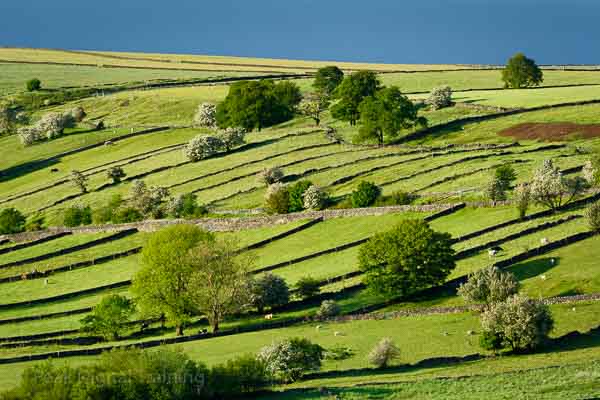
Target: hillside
(52,278)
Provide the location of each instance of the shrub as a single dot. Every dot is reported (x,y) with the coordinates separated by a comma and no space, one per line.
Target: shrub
(308,287)
(339,353)
(592,213)
(108,318)
(126,215)
(33,85)
(315,198)
(297,191)
(79,180)
(35,223)
(232,137)
(206,116)
(440,97)
(201,147)
(11,221)
(29,135)
(489,285)
(78,215)
(522,198)
(383,353)
(518,323)
(277,199)
(289,359)
(398,198)
(148,200)
(269,176)
(329,308)
(185,206)
(108,213)
(407,258)
(243,374)
(116,174)
(8,120)
(365,194)
(269,291)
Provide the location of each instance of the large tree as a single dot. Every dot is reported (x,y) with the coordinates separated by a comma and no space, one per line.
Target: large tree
(108,318)
(552,189)
(386,114)
(351,92)
(220,280)
(327,79)
(162,286)
(521,72)
(258,104)
(410,257)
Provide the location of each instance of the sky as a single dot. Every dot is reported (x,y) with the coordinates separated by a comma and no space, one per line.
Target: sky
(390,31)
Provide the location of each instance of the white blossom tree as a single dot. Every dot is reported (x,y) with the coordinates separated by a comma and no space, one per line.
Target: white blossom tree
(206,116)
(201,147)
(550,188)
(232,137)
(440,97)
(313,105)
(314,198)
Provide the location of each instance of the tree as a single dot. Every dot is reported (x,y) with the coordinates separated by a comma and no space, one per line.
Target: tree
(296,193)
(327,79)
(269,176)
(277,199)
(79,180)
(592,213)
(78,215)
(521,72)
(522,198)
(407,258)
(258,104)
(269,291)
(551,189)
(489,285)
(206,116)
(519,323)
(185,206)
(506,175)
(11,221)
(108,318)
(328,309)
(33,85)
(289,359)
(315,198)
(386,114)
(220,280)
(7,120)
(202,146)
(383,353)
(440,97)
(495,190)
(351,92)
(313,105)
(365,194)
(116,174)
(148,200)
(163,285)
(232,137)
(308,286)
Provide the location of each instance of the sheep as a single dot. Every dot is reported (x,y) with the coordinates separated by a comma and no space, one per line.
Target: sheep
(144,326)
(318,327)
(494,250)
(336,333)
(269,316)
(109,143)
(544,241)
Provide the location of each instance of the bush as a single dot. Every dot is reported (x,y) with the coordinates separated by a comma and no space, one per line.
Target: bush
(398,198)
(383,353)
(116,174)
(78,215)
(440,97)
(522,198)
(494,190)
(308,287)
(232,137)
(243,374)
(108,213)
(269,176)
(489,285)
(33,85)
(148,200)
(185,206)
(79,180)
(315,198)
(206,116)
(201,147)
(289,359)
(109,317)
(505,175)
(407,258)
(277,199)
(593,217)
(329,308)
(126,215)
(269,291)
(11,221)
(365,194)
(518,323)
(339,353)
(296,192)
(35,223)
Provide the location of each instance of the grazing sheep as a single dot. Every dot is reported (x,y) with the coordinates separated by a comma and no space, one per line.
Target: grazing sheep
(109,143)
(544,241)
(336,333)
(543,277)
(552,261)
(269,316)
(318,327)
(494,250)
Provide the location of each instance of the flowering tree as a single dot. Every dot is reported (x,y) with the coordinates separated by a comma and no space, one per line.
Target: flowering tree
(522,198)
(314,198)
(269,176)
(290,358)
(232,137)
(384,352)
(201,147)
(206,116)
(313,106)
(489,285)
(440,97)
(550,188)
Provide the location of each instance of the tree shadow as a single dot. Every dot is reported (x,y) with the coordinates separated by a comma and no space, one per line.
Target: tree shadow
(531,269)
(26,168)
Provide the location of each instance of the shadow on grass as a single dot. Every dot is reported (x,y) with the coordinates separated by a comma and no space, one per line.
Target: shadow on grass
(26,168)
(531,269)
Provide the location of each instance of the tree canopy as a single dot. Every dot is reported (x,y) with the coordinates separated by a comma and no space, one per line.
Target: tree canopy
(521,72)
(327,79)
(351,92)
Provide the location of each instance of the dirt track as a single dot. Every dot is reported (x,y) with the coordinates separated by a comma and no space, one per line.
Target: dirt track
(552,131)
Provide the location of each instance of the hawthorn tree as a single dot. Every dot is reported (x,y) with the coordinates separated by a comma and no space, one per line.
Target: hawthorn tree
(269,291)
(232,137)
(327,79)
(386,114)
(108,318)
(313,105)
(489,285)
(79,180)
(552,189)
(407,258)
(116,174)
(351,92)
(206,116)
(521,72)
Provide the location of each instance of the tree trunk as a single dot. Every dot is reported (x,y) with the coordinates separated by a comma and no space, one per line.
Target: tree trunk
(179,330)
(317,121)
(215,325)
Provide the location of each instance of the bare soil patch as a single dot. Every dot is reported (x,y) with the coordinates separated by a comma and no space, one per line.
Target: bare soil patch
(552,131)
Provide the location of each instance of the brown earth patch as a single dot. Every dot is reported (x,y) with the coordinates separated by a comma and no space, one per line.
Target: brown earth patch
(552,131)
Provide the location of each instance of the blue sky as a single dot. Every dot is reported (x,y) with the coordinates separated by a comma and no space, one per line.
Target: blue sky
(394,31)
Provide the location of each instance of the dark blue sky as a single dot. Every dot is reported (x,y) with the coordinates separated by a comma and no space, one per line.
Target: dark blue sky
(394,31)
